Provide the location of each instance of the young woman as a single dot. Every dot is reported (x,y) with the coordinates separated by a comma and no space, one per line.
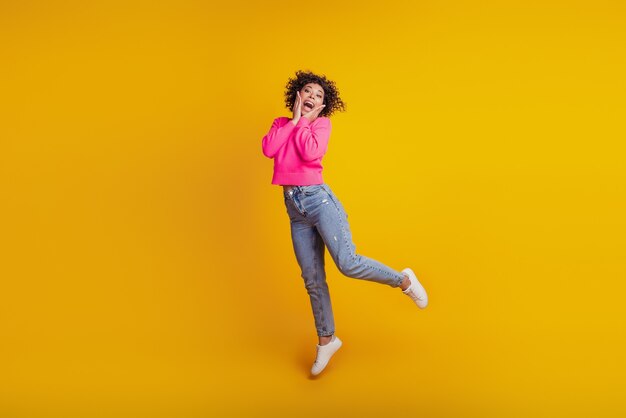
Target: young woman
(318,219)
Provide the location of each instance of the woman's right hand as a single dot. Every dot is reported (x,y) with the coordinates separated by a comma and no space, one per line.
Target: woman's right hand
(297,108)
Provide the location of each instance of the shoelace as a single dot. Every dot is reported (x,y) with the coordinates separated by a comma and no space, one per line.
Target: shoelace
(420,297)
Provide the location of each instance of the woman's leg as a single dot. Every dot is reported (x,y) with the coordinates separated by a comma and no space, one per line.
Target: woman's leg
(332,225)
(309,249)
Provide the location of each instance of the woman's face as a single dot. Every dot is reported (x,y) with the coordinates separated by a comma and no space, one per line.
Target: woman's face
(312,95)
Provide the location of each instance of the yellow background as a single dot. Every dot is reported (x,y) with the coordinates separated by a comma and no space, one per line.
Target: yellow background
(146,263)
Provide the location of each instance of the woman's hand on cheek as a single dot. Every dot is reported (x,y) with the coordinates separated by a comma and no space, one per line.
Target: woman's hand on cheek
(297,108)
(312,115)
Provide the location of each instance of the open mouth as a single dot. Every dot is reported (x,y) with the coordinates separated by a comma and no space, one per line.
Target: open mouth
(308,105)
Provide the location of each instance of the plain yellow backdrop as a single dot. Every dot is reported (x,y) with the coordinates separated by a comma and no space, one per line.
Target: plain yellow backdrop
(146,264)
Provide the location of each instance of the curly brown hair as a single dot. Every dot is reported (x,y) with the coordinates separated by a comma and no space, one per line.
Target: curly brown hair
(331,94)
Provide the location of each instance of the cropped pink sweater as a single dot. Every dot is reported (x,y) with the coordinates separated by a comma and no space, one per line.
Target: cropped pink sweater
(297,150)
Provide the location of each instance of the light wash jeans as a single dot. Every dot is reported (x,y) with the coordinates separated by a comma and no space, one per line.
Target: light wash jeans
(318,219)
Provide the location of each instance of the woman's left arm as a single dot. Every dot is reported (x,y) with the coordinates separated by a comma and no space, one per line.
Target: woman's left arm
(311,138)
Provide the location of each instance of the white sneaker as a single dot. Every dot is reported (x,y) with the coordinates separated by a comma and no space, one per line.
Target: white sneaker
(415,291)
(324,353)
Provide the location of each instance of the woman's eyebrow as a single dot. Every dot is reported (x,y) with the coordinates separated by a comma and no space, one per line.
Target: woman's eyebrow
(318,90)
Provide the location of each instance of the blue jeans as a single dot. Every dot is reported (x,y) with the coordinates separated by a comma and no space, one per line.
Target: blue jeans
(319,220)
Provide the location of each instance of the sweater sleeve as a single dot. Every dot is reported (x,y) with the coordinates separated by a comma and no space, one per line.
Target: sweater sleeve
(311,140)
(276,137)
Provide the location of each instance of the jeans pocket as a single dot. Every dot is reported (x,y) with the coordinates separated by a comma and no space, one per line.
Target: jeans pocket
(311,190)
(337,203)
(289,208)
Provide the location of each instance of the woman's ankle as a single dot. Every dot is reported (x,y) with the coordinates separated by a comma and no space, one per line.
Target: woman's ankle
(405,283)
(325,340)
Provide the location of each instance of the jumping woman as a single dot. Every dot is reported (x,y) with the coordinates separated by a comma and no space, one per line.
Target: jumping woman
(317,217)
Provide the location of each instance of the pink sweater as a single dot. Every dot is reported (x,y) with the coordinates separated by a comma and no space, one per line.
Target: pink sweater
(297,150)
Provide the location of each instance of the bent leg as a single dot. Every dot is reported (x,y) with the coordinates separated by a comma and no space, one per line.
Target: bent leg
(332,225)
